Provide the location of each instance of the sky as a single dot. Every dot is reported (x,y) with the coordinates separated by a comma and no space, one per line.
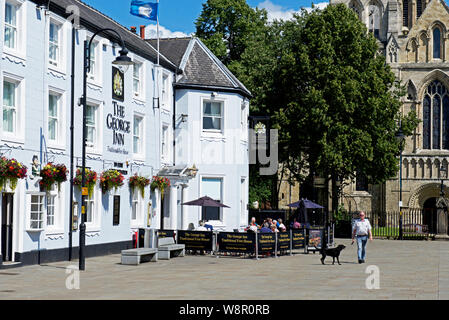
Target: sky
(177,17)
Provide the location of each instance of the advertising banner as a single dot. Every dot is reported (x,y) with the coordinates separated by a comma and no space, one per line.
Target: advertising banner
(298,239)
(236,242)
(196,240)
(266,242)
(315,236)
(166,233)
(284,241)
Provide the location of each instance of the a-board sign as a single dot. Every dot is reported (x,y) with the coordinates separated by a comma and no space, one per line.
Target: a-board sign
(283,241)
(315,236)
(196,240)
(236,242)
(166,233)
(298,239)
(266,242)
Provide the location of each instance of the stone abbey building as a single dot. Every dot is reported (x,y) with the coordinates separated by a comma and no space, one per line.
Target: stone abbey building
(414,37)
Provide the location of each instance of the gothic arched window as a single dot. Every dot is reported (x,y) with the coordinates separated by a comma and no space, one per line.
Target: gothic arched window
(357,10)
(419,5)
(374,12)
(437,43)
(436,117)
(405,13)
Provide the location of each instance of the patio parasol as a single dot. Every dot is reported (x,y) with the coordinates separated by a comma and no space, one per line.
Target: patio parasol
(303,205)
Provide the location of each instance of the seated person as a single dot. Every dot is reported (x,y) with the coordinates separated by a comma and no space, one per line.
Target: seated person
(265,230)
(296,224)
(273,228)
(201,226)
(281,226)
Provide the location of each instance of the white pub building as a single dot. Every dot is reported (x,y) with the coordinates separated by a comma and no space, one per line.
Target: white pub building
(184,119)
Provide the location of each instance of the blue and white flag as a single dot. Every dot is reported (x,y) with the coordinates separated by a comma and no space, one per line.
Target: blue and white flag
(147,10)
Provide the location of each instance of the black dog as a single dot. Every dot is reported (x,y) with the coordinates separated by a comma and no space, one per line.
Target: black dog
(334,253)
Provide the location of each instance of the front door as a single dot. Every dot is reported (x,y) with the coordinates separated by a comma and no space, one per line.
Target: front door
(7,226)
(430,215)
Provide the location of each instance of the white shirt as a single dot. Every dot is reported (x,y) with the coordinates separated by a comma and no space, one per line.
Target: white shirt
(361,227)
(201,228)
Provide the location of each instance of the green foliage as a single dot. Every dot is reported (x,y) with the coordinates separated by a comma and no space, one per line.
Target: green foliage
(340,101)
(260,187)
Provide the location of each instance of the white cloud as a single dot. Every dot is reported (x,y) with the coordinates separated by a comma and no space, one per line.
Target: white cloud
(280,13)
(151,32)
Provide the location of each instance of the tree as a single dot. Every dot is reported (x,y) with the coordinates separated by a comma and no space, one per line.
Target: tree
(227,26)
(340,101)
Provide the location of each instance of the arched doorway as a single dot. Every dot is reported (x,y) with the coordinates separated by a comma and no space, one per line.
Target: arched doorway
(430,214)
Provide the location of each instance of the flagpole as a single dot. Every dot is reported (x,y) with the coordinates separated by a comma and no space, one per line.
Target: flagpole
(157,30)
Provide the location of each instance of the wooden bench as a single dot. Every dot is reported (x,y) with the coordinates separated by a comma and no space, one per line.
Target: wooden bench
(137,256)
(167,246)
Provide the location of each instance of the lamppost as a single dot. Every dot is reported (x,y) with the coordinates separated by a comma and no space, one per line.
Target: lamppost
(400,138)
(122,60)
(442,170)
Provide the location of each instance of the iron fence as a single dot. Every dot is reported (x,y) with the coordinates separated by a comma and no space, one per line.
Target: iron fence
(416,223)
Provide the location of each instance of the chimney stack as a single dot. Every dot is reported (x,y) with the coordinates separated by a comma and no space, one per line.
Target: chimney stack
(142,32)
(134,30)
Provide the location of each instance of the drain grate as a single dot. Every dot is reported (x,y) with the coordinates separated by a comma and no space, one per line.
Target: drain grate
(7,291)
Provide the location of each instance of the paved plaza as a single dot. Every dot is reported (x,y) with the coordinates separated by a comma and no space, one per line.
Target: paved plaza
(408,270)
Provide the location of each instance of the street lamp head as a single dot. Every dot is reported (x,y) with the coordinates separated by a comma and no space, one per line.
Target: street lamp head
(123,60)
(400,138)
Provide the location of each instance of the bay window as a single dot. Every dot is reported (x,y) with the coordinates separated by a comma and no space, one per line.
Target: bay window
(36,211)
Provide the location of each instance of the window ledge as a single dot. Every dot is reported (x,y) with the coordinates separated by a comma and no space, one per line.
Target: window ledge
(139,157)
(139,99)
(94,85)
(94,152)
(14,56)
(57,72)
(14,139)
(35,230)
(59,147)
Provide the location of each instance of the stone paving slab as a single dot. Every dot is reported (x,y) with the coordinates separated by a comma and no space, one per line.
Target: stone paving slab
(408,270)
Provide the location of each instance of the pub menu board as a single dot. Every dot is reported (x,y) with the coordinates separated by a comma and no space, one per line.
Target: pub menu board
(166,233)
(283,241)
(236,242)
(298,239)
(266,242)
(196,240)
(315,236)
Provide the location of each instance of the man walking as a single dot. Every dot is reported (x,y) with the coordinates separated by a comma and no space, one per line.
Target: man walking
(361,230)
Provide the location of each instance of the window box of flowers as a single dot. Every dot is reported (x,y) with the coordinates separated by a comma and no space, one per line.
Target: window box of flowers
(91,180)
(51,174)
(139,182)
(161,184)
(111,179)
(11,171)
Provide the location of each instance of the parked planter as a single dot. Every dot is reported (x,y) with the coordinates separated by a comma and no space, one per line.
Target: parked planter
(111,179)
(161,184)
(91,180)
(52,174)
(10,172)
(139,182)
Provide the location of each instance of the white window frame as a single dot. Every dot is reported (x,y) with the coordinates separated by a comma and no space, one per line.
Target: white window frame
(165,90)
(59,142)
(56,43)
(94,225)
(137,207)
(141,152)
(58,208)
(19,51)
(213,132)
(165,143)
(97,146)
(140,94)
(95,75)
(244,121)
(216,177)
(58,65)
(42,220)
(18,135)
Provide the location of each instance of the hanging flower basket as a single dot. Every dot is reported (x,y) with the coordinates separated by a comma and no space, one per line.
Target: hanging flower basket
(91,180)
(139,182)
(52,174)
(161,184)
(11,171)
(111,179)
